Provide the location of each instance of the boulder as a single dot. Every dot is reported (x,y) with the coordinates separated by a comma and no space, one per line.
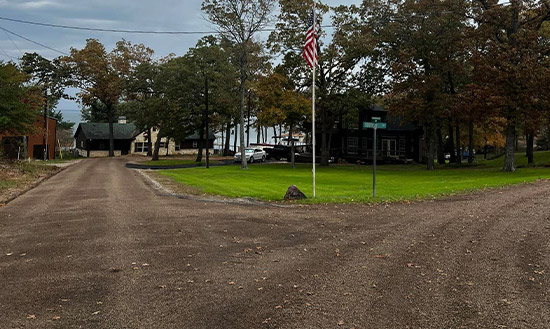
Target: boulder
(293,193)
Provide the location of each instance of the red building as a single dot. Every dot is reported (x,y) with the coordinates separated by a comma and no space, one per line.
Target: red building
(33,143)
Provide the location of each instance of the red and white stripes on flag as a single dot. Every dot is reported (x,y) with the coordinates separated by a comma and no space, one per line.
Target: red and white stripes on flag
(310,50)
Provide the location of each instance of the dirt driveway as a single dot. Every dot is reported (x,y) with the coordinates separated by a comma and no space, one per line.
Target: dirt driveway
(97,247)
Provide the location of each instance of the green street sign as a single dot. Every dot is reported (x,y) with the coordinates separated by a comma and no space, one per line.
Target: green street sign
(379,125)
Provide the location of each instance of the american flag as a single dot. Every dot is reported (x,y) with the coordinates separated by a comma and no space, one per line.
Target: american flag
(310,50)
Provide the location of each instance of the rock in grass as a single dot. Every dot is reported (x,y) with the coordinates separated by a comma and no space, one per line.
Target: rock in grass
(293,193)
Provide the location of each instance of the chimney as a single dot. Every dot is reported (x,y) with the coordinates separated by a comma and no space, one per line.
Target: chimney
(122,120)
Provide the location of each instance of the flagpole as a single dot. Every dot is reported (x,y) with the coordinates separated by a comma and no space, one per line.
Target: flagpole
(313,102)
(313,127)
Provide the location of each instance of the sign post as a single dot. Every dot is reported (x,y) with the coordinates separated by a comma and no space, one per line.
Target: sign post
(375,124)
(374,166)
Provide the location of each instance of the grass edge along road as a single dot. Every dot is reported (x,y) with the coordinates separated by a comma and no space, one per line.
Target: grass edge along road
(353,183)
(18,176)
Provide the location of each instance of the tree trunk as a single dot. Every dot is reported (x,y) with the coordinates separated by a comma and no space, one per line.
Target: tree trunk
(111,133)
(227,138)
(157,146)
(275,135)
(509,161)
(258,134)
(292,155)
(235,139)
(244,164)
(451,143)
(167,145)
(440,147)
(530,147)
(458,147)
(470,142)
(201,141)
(248,121)
(430,146)
(45,138)
(149,143)
(325,153)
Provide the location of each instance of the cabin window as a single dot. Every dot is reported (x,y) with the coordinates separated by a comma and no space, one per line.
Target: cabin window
(141,147)
(353,144)
(389,147)
(82,144)
(162,145)
(177,147)
(195,144)
(402,151)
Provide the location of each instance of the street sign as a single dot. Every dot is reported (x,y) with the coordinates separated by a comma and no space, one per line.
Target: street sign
(379,125)
(375,124)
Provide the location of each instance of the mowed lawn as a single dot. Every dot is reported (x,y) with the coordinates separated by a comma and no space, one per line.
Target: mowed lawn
(353,183)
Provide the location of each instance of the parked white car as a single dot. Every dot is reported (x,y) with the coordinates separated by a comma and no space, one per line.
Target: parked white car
(251,155)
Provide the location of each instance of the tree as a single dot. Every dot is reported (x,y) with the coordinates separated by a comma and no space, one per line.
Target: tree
(18,101)
(209,62)
(512,62)
(270,93)
(101,75)
(295,107)
(162,95)
(282,104)
(420,47)
(94,112)
(52,78)
(337,59)
(61,123)
(239,21)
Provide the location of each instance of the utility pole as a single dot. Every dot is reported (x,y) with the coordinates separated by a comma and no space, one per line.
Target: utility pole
(45,136)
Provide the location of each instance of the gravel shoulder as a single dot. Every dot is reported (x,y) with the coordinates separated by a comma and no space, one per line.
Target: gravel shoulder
(96,247)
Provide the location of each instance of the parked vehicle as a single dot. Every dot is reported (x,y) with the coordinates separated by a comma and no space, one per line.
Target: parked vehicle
(279,152)
(251,155)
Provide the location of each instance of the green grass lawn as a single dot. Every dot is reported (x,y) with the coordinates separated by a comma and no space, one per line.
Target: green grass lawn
(176,162)
(353,183)
(541,159)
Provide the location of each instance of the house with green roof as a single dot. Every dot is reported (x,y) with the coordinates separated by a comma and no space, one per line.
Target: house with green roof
(92,140)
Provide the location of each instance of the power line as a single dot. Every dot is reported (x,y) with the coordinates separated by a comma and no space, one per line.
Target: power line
(13,42)
(83,28)
(35,42)
(6,54)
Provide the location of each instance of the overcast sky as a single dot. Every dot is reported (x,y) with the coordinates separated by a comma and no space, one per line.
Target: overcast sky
(159,15)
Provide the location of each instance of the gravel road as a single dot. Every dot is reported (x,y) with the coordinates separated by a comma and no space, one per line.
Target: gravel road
(97,247)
